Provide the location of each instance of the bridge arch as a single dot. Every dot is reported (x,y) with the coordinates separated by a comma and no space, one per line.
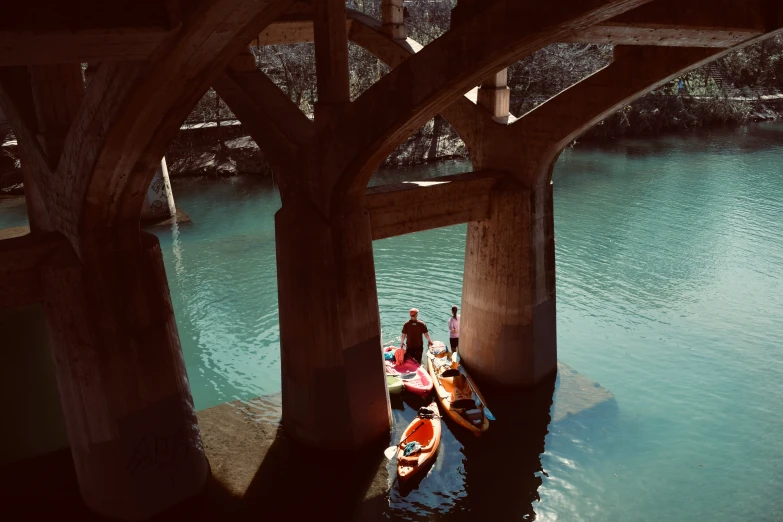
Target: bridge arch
(102,282)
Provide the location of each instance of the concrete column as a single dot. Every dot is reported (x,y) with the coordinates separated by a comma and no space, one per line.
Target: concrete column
(124,390)
(334,391)
(495,96)
(331,58)
(159,203)
(508,301)
(392,19)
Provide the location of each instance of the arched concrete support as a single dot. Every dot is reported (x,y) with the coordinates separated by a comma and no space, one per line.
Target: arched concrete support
(527,156)
(123,386)
(420,87)
(329,320)
(509,255)
(126,119)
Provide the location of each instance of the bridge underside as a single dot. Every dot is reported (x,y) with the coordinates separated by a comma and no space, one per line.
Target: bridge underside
(90,153)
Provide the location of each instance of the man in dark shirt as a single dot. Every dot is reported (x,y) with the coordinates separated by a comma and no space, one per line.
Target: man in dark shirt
(413,330)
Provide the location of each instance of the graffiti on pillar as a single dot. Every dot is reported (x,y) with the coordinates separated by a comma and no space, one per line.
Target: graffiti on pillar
(159,202)
(158,186)
(164,453)
(159,207)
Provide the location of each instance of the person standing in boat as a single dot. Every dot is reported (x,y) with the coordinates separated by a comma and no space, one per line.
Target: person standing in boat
(454,329)
(413,331)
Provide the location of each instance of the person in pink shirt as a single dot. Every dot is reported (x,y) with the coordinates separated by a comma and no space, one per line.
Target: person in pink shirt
(454,329)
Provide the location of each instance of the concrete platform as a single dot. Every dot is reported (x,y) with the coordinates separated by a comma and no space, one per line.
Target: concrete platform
(12,232)
(259,474)
(180,218)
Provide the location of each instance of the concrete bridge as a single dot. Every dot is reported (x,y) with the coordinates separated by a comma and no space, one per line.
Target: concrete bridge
(90,154)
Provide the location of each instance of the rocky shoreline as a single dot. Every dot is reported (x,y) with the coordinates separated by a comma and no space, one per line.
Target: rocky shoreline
(202,150)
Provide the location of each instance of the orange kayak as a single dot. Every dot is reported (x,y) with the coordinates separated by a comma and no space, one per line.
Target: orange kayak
(427,433)
(455,391)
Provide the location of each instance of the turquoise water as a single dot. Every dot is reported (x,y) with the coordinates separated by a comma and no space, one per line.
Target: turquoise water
(669,294)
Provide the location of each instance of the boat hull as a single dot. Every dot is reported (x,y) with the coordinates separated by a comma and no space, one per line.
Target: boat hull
(426,432)
(444,389)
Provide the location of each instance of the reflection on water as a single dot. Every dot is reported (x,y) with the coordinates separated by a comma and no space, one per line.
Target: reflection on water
(669,294)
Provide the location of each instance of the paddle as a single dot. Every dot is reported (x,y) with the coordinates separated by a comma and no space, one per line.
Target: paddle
(392,450)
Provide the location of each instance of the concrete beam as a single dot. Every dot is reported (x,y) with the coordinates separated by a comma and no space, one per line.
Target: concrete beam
(39,32)
(701,23)
(276,124)
(414,206)
(331,58)
(697,23)
(664,35)
(51,47)
(289,31)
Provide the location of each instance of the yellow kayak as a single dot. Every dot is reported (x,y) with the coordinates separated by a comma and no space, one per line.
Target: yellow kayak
(456,390)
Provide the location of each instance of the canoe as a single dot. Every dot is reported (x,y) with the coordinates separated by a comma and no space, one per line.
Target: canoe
(466,410)
(394,384)
(427,433)
(415,377)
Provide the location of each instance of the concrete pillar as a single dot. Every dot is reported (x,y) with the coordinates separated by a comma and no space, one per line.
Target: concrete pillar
(124,390)
(331,58)
(495,96)
(508,299)
(334,391)
(159,203)
(392,19)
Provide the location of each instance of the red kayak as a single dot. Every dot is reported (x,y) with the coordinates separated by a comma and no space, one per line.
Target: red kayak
(414,377)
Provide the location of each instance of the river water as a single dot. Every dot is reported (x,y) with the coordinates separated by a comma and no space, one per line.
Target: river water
(669,296)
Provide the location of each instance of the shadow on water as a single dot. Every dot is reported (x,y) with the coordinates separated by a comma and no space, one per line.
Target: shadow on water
(495,476)
(297,483)
(257,471)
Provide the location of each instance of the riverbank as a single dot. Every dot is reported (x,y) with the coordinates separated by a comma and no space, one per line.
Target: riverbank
(205,150)
(658,113)
(198,154)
